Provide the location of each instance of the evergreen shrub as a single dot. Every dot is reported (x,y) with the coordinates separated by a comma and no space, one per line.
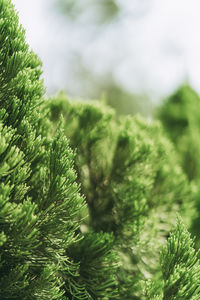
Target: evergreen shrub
(180,117)
(87,199)
(129,173)
(40,202)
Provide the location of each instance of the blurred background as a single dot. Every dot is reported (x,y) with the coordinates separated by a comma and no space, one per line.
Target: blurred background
(133,53)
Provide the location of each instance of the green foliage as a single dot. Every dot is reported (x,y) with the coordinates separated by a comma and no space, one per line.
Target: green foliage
(180,117)
(133,185)
(56,243)
(180,266)
(40,203)
(97,267)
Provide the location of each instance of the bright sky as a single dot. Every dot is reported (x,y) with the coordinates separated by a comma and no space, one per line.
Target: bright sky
(151,54)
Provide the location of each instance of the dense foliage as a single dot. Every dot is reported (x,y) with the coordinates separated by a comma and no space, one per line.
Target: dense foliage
(40,200)
(129,173)
(87,198)
(180,117)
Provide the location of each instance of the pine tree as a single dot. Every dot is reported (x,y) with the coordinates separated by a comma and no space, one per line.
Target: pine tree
(40,202)
(180,116)
(180,266)
(87,199)
(133,184)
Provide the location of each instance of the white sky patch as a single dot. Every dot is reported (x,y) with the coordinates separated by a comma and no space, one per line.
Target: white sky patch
(151,54)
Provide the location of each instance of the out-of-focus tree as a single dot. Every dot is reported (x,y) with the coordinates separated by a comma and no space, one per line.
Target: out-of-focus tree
(102,11)
(125,102)
(180,115)
(99,17)
(115,95)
